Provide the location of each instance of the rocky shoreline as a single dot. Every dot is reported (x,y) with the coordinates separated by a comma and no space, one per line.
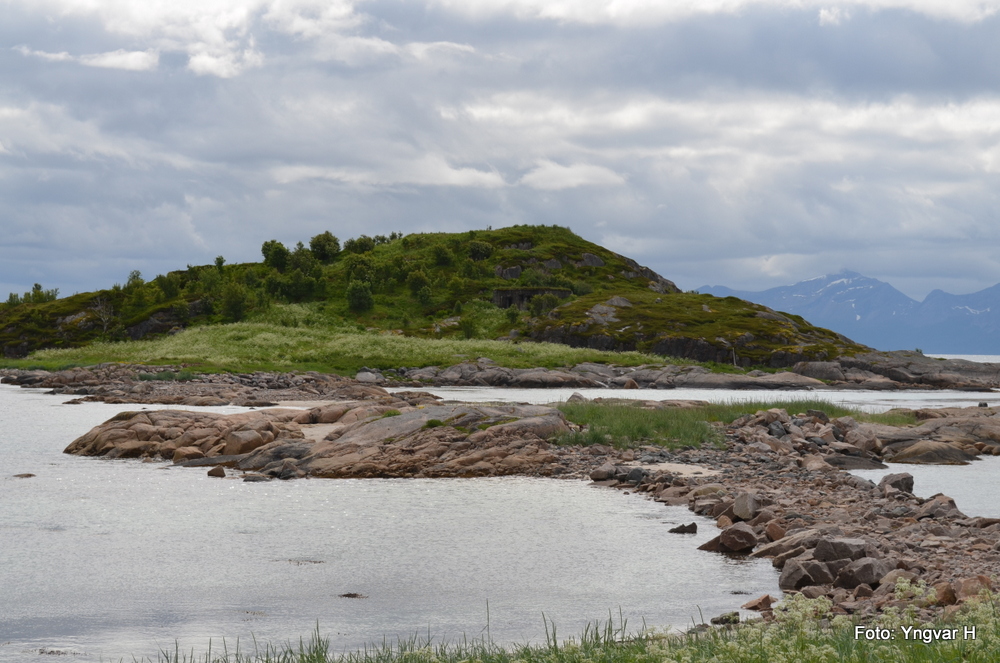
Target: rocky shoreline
(831,534)
(123,383)
(779,489)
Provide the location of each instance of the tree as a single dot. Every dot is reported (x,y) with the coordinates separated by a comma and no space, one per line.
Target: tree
(362,244)
(417,280)
(104,312)
(303,260)
(220,263)
(442,256)
(276,254)
(325,246)
(169,285)
(359,297)
(235,301)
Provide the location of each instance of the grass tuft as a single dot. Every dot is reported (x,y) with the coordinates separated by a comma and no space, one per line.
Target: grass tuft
(804,630)
(626,424)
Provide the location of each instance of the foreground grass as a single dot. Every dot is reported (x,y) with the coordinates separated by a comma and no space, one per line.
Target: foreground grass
(248,346)
(803,631)
(627,424)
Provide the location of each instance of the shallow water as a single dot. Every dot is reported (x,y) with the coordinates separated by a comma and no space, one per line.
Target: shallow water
(867,401)
(110,559)
(972,486)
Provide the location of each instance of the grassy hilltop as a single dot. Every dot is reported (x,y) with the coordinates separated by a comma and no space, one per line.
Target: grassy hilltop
(524,282)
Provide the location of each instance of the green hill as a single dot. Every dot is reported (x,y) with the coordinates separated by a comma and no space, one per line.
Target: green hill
(523,282)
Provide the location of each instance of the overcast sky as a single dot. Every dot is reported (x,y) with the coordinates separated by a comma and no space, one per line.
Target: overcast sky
(747,143)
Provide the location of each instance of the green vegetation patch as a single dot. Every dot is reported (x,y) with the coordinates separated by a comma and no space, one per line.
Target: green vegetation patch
(625,424)
(294,344)
(739,332)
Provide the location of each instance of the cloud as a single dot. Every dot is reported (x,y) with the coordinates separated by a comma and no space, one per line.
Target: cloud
(431,170)
(120,59)
(637,12)
(553,177)
(735,141)
(833,15)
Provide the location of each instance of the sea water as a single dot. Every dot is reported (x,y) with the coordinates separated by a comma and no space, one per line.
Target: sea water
(110,559)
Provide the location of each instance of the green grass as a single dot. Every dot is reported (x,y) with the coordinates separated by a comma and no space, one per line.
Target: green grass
(803,631)
(628,424)
(247,346)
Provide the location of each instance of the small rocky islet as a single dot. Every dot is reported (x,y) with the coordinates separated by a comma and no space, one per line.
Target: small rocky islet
(777,490)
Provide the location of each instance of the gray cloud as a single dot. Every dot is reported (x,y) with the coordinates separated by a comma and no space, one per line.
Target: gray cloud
(750,146)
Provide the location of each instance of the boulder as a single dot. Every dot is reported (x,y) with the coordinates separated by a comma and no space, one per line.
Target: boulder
(604,472)
(712,545)
(866,570)
(815,463)
(938,506)
(863,439)
(243,441)
(738,538)
(820,370)
(187,453)
(773,531)
(760,603)
(746,506)
(794,576)
(902,481)
(707,489)
(217,471)
(807,538)
(330,413)
(848,463)
(930,452)
(968,588)
(833,548)
(945,594)
(691,528)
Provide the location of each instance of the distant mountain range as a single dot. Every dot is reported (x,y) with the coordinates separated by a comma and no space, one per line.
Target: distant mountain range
(872,312)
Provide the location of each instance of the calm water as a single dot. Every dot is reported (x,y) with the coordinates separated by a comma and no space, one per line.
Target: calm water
(110,559)
(868,401)
(973,486)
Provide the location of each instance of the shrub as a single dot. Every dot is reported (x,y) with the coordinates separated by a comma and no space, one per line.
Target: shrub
(540,304)
(442,256)
(479,250)
(468,327)
(424,295)
(359,297)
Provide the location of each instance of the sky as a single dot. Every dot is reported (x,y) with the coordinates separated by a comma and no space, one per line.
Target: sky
(746,143)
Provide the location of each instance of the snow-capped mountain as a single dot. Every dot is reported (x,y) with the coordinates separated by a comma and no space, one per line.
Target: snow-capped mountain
(872,312)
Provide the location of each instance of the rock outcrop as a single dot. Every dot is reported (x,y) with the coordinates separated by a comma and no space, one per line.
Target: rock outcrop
(357,439)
